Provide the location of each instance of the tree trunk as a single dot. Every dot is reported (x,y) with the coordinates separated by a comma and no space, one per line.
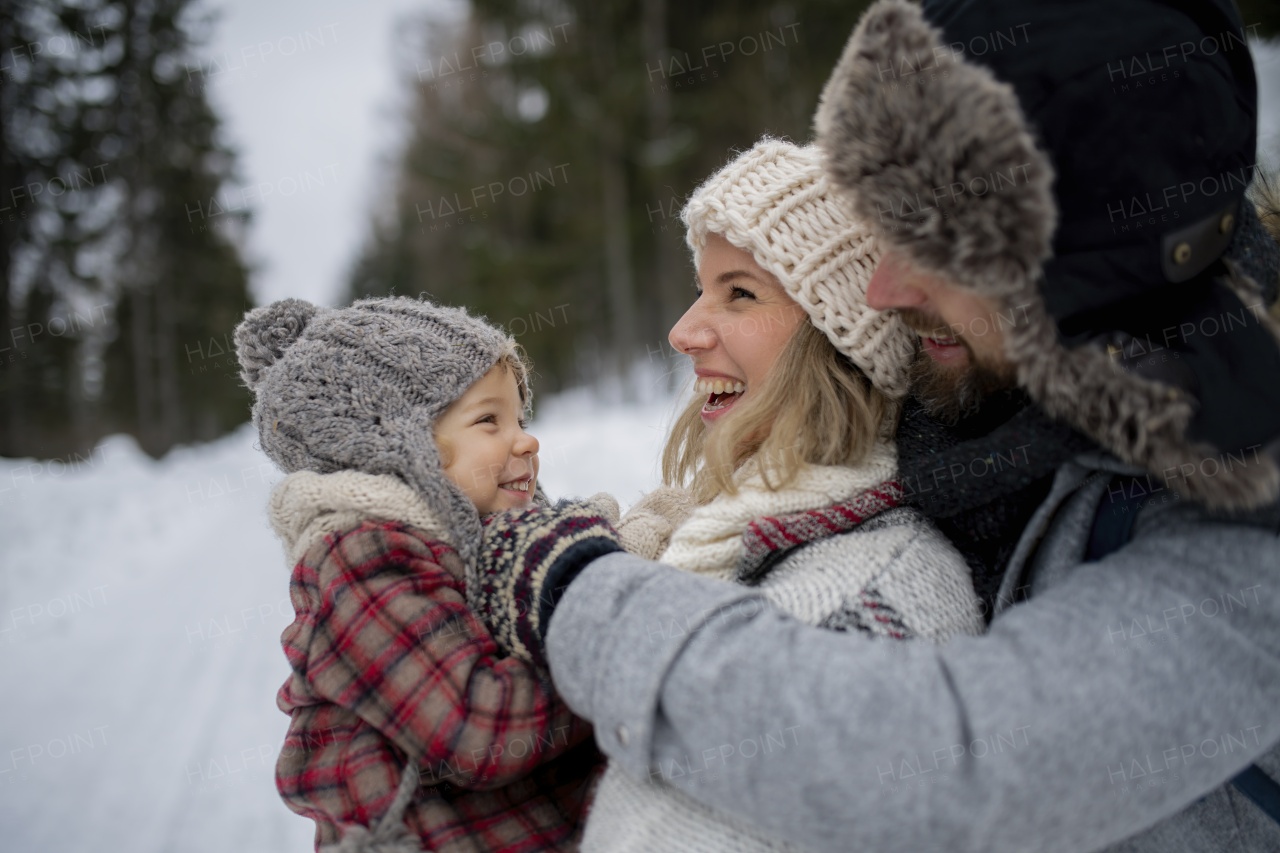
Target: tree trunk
(166,346)
(669,257)
(619,280)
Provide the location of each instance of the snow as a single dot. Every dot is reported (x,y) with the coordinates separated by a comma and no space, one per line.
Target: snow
(141,604)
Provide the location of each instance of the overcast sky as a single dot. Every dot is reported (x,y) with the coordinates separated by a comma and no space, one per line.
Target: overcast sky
(309,95)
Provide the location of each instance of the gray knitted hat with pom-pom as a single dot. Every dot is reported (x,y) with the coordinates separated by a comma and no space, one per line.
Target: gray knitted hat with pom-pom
(360,389)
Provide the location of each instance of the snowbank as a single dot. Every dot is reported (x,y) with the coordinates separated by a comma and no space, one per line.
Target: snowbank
(141,604)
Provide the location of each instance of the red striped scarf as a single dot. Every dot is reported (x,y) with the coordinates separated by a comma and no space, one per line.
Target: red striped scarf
(769,538)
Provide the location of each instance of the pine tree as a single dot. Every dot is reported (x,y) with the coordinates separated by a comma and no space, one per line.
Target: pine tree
(50,187)
(1261,17)
(129,270)
(630,103)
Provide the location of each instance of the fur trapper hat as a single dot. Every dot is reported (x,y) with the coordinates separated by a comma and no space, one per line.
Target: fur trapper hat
(1003,146)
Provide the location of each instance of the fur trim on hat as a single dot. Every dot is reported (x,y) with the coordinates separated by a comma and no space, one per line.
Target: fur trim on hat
(902,121)
(1265,196)
(961,125)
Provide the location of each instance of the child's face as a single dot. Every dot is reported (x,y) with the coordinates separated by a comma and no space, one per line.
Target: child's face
(484,447)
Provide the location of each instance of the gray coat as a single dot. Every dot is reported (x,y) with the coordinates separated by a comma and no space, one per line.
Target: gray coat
(1108,701)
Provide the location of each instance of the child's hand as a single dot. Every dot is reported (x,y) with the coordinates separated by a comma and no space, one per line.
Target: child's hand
(527,558)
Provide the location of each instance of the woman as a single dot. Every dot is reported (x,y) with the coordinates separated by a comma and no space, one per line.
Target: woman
(785,455)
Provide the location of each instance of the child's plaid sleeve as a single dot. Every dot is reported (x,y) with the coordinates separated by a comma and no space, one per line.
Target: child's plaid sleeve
(383,630)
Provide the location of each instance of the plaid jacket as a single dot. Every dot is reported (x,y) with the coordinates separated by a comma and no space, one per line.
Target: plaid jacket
(389,665)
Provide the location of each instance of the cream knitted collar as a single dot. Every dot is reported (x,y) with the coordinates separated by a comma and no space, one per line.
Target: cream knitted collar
(306,507)
(710,541)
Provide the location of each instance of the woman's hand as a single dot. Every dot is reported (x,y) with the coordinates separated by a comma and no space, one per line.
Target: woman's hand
(647,527)
(527,558)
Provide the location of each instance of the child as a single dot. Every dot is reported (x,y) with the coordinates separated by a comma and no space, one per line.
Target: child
(400,423)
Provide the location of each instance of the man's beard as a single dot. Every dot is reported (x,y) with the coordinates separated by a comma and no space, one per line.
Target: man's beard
(950,394)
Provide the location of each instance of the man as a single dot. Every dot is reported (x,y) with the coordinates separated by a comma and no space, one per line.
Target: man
(1060,189)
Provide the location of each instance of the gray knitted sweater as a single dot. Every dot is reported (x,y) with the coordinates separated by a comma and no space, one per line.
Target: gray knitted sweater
(893,576)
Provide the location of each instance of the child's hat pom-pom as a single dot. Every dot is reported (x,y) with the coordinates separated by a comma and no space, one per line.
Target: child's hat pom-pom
(267,332)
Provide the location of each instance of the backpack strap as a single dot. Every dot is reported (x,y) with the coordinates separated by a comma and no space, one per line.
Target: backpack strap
(1113,523)
(1257,785)
(1112,528)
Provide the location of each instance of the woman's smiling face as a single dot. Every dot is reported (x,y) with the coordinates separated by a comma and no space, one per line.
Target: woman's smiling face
(736,328)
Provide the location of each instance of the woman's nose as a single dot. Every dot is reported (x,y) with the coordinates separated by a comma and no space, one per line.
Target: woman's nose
(691,332)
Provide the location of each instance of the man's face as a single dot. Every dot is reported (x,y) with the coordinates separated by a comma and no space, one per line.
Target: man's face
(961,359)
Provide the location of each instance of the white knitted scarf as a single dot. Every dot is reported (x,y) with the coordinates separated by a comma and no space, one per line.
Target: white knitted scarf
(710,541)
(306,507)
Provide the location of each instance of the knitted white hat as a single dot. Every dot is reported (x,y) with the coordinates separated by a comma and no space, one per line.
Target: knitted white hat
(776,202)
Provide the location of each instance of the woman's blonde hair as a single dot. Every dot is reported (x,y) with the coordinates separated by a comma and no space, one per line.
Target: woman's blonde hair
(814,408)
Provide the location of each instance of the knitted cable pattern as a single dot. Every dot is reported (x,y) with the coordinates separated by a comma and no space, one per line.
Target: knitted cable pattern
(360,389)
(776,202)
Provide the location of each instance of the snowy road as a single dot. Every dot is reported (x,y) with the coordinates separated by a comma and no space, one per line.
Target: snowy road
(140,610)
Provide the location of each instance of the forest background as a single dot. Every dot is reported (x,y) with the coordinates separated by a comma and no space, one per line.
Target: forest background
(550,145)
